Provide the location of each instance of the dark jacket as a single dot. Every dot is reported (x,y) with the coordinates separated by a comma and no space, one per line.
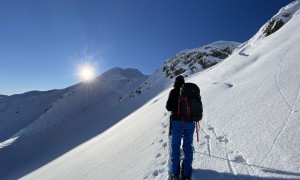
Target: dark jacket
(172,103)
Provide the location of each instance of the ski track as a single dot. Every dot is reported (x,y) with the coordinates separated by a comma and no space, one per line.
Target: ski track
(230,167)
(244,104)
(292,110)
(235,162)
(239,159)
(282,128)
(277,82)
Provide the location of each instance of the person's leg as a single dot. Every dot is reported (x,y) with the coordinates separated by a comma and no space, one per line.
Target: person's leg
(189,128)
(175,147)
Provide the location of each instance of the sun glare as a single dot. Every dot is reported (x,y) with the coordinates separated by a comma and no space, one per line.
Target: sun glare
(87,73)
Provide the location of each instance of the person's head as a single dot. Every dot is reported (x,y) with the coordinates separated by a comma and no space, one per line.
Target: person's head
(179,81)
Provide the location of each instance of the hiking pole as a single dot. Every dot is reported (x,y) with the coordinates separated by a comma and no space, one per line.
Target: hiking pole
(197,130)
(170,127)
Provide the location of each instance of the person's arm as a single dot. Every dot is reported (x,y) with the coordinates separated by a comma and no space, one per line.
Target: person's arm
(170,102)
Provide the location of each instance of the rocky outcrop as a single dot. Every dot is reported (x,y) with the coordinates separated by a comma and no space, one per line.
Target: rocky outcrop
(191,61)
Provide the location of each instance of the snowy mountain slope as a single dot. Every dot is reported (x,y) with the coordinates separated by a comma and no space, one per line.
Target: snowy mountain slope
(186,63)
(73,116)
(71,119)
(250,128)
(18,111)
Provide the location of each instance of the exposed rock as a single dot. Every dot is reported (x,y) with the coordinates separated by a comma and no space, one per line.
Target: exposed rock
(273,26)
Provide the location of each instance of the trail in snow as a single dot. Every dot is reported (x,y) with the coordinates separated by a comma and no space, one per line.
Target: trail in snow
(251,118)
(291,107)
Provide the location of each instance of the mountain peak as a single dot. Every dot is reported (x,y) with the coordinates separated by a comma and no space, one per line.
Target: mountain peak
(188,62)
(118,73)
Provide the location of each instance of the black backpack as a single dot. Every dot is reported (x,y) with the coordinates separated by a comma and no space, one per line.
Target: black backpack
(189,103)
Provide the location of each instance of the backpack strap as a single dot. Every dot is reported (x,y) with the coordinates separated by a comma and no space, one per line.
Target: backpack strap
(188,109)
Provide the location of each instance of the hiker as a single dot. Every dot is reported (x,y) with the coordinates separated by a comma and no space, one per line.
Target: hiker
(180,128)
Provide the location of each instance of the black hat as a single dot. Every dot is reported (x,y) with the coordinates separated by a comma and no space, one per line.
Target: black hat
(179,79)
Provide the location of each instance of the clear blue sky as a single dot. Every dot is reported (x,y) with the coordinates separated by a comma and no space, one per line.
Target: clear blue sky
(42,42)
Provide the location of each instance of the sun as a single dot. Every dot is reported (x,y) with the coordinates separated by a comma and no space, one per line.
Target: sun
(87,72)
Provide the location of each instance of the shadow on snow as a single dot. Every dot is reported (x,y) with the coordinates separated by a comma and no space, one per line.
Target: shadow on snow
(212,175)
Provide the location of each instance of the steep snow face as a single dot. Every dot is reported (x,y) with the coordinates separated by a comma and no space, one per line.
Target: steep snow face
(18,111)
(284,15)
(281,18)
(250,127)
(188,62)
(60,119)
(32,113)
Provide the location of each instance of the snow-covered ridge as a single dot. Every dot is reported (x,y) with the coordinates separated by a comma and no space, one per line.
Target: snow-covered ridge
(20,110)
(281,18)
(277,22)
(189,62)
(118,73)
(34,113)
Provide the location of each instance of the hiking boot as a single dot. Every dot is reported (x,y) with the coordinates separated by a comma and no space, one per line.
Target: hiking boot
(175,177)
(186,178)
(182,167)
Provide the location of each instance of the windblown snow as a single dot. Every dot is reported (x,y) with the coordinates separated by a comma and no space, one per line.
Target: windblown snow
(116,127)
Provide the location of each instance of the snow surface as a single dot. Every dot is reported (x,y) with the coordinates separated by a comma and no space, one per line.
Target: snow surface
(250,128)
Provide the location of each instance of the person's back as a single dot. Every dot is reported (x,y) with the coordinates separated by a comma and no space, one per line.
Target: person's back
(180,128)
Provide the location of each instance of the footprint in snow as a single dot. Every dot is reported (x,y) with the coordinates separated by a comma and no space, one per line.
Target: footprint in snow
(228,85)
(157,172)
(207,137)
(164,125)
(202,144)
(158,155)
(211,128)
(239,159)
(223,139)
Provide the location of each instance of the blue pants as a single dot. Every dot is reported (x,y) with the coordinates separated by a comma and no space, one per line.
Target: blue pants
(187,135)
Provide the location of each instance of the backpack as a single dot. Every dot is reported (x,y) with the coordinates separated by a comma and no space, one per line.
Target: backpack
(189,103)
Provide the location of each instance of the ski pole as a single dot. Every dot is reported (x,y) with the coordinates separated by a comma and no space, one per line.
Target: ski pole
(197,130)
(170,127)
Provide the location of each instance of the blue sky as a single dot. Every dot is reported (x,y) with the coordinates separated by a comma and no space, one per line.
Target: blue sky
(43,42)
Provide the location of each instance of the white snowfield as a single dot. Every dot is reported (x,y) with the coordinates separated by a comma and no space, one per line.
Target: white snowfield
(250,128)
